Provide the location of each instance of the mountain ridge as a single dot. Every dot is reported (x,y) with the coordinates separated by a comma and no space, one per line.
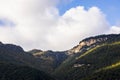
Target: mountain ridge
(64,64)
(80,65)
(92,41)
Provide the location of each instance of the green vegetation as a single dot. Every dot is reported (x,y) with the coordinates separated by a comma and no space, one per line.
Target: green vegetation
(15,72)
(16,64)
(89,51)
(49,60)
(111,72)
(96,61)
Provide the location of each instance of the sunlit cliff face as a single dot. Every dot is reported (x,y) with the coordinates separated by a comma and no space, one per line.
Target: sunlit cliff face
(87,43)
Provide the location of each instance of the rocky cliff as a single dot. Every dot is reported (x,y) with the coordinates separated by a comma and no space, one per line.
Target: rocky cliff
(91,42)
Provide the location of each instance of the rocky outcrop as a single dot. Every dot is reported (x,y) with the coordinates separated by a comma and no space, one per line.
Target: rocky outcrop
(91,42)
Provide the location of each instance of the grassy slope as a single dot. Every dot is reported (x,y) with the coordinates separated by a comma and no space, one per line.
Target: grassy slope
(98,57)
(111,72)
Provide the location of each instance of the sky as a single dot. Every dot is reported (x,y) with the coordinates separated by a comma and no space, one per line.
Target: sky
(111,8)
(56,24)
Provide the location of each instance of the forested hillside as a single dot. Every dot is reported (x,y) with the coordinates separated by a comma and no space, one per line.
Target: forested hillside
(99,63)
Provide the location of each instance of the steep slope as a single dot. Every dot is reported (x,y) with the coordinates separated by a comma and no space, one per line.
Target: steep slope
(90,58)
(111,72)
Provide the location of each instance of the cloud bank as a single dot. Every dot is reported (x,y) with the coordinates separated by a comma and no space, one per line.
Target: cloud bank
(114,30)
(37,24)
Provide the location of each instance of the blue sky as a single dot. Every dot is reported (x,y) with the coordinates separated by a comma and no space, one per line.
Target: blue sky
(111,8)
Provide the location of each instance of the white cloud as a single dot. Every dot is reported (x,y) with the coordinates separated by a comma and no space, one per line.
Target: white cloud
(76,24)
(114,30)
(39,25)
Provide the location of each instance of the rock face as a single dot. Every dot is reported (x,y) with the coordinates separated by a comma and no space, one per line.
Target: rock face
(91,42)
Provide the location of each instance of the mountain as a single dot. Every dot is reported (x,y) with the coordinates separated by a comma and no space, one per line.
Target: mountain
(16,55)
(91,42)
(35,51)
(49,60)
(92,57)
(16,64)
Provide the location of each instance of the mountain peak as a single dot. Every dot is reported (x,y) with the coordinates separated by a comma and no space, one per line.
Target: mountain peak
(35,51)
(90,42)
(11,47)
